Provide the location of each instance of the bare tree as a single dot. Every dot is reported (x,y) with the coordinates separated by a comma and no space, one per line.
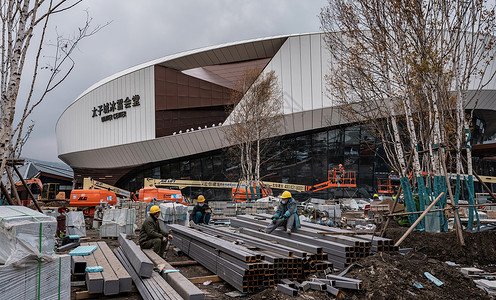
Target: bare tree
(254,118)
(410,64)
(24,32)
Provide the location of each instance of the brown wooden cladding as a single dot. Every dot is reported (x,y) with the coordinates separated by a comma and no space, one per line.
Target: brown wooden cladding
(183,102)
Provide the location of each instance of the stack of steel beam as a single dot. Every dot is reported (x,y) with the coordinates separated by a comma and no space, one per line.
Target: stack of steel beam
(380,244)
(343,247)
(244,269)
(291,259)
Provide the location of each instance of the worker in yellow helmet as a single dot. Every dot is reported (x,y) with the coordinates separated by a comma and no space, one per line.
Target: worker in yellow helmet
(151,236)
(286,215)
(201,212)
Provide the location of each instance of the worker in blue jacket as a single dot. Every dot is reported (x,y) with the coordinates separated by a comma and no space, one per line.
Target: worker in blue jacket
(286,215)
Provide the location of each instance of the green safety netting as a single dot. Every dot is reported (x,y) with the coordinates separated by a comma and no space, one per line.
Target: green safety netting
(409,201)
(472,211)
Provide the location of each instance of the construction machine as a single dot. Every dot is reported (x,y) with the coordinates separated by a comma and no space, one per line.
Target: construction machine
(44,191)
(336,178)
(95,193)
(239,191)
(146,194)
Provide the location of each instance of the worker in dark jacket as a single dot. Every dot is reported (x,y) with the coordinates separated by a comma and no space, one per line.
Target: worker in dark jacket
(151,236)
(286,215)
(201,212)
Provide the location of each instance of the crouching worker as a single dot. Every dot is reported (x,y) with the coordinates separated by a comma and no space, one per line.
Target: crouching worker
(151,236)
(201,212)
(286,215)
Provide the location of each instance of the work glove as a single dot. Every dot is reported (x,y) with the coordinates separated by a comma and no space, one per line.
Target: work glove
(191,223)
(284,218)
(208,211)
(274,220)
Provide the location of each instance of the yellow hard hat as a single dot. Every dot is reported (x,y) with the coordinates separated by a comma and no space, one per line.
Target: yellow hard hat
(340,165)
(201,198)
(375,195)
(286,195)
(155,209)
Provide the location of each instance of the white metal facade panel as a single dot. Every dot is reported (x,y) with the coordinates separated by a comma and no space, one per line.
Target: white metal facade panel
(300,65)
(77,130)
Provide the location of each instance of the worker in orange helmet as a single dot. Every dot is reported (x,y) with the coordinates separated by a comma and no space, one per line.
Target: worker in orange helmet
(286,215)
(340,173)
(151,235)
(201,213)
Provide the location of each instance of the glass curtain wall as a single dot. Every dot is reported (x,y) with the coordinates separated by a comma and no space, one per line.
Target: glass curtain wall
(299,159)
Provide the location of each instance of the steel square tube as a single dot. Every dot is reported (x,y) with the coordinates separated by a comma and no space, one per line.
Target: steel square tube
(313,232)
(314,285)
(347,285)
(328,246)
(342,278)
(285,241)
(234,250)
(326,281)
(250,240)
(287,290)
(334,291)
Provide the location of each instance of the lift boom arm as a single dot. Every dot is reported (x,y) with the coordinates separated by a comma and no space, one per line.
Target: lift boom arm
(91,184)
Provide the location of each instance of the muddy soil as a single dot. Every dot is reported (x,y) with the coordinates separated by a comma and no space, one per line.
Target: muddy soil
(479,247)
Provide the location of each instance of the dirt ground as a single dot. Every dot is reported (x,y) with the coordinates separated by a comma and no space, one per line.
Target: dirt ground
(385,276)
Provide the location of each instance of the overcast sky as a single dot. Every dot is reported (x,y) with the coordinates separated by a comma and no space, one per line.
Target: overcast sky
(145,30)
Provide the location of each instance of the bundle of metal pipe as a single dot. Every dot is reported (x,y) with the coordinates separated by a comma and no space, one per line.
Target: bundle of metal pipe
(244,269)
